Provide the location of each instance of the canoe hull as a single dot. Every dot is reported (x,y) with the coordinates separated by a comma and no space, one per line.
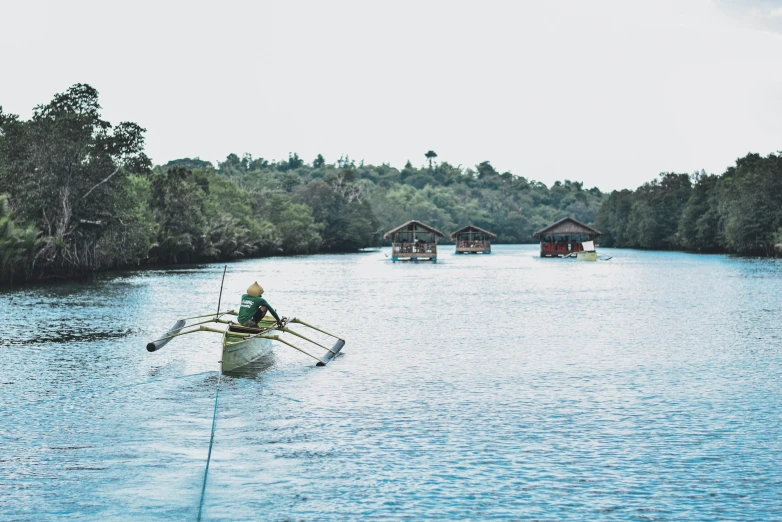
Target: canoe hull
(587,256)
(238,352)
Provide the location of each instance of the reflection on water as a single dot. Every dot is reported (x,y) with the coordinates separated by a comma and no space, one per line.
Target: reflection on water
(255,369)
(63,333)
(481,387)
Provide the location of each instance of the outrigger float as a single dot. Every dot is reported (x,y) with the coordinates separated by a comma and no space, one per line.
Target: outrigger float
(243,345)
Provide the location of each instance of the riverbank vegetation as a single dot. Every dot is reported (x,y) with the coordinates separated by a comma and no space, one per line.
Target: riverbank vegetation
(739,211)
(78,194)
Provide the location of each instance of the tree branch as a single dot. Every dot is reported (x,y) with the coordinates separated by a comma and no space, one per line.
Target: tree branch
(101,183)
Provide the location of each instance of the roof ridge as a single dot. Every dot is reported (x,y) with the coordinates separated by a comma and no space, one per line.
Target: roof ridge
(492,234)
(413,222)
(564,219)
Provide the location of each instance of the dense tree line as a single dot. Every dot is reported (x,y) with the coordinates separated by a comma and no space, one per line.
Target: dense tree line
(78,194)
(739,211)
(346,197)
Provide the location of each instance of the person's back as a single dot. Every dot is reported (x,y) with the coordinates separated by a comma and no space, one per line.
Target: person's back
(254,307)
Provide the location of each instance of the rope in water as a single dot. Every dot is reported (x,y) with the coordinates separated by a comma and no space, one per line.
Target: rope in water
(211,440)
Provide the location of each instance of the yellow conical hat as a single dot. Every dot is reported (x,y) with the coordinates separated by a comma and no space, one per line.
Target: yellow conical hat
(255,290)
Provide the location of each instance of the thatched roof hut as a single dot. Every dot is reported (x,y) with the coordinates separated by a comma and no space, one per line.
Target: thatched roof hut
(473,240)
(567,227)
(564,237)
(474,230)
(414,240)
(412,227)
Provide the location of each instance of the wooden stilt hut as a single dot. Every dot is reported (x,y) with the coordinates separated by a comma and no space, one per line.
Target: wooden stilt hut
(564,237)
(414,241)
(473,240)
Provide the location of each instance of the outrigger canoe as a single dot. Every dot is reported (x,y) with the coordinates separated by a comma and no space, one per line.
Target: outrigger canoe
(243,345)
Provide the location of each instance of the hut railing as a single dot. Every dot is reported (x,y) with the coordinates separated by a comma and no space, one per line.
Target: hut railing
(465,243)
(561,247)
(414,248)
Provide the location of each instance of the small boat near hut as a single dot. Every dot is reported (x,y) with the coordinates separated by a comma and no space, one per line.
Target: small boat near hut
(589,253)
(243,345)
(473,240)
(414,241)
(566,238)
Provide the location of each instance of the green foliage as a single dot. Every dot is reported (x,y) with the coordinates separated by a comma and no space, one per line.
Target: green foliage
(654,217)
(611,218)
(64,170)
(700,225)
(18,245)
(348,223)
(736,212)
(79,195)
(127,242)
(88,187)
(188,163)
(354,204)
(296,231)
(294,162)
(749,201)
(233,231)
(177,202)
(777,240)
(430,155)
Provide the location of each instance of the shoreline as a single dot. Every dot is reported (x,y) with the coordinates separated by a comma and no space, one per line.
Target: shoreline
(169,267)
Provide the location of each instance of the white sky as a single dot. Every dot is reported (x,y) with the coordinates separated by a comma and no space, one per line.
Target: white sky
(607,92)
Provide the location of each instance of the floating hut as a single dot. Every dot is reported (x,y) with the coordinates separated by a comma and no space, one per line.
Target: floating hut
(414,241)
(564,237)
(473,240)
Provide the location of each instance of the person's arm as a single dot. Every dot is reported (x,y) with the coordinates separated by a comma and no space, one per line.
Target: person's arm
(267,305)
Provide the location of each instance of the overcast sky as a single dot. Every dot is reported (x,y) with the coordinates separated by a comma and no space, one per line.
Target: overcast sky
(607,92)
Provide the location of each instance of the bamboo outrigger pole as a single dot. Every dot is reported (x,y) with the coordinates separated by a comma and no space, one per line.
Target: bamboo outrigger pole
(226,312)
(153,346)
(299,321)
(333,351)
(218,320)
(288,330)
(182,328)
(321,362)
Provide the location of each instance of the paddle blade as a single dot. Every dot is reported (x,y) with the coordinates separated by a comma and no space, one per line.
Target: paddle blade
(157,345)
(333,353)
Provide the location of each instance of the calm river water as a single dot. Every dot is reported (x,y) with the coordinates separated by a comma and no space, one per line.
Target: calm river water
(645,387)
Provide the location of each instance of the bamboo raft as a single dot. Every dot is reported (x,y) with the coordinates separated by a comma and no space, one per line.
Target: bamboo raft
(243,345)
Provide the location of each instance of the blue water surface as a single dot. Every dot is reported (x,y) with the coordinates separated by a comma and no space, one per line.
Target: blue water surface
(500,387)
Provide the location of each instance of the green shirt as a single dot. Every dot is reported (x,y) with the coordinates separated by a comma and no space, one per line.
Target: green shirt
(250,305)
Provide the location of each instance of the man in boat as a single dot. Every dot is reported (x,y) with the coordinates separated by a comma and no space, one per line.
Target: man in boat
(254,307)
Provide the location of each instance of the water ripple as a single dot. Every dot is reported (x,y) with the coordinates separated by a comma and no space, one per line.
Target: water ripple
(498,387)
